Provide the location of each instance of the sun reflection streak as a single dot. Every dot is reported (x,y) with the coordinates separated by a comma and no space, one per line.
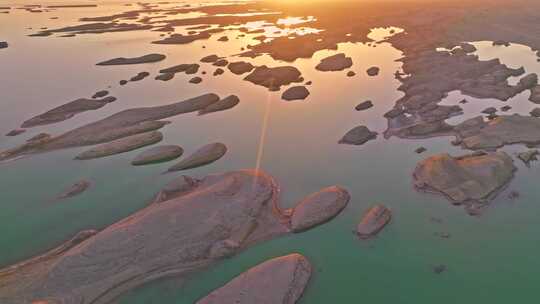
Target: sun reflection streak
(262,137)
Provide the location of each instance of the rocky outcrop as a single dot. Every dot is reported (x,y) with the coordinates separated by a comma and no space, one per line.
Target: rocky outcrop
(140,76)
(364,105)
(218,71)
(476,134)
(467,47)
(204,156)
(528,156)
(221,63)
(185,39)
(226,103)
(358,136)
(490,110)
(373,221)
(240,67)
(41,137)
(165,76)
(120,125)
(214,218)
(535,95)
(122,145)
(75,189)
(420,150)
(175,188)
(535,112)
(319,208)
(157,155)
(195,80)
(168,73)
(188,68)
(135,60)
(280,280)
(210,58)
(15,132)
(373,71)
(434,74)
(93,28)
(501,43)
(471,180)
(274,78)
(100,94)
(338,62)
(295,93)
(67,111)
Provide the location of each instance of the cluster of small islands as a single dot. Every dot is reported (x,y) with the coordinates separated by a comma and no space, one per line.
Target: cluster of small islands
(242,208)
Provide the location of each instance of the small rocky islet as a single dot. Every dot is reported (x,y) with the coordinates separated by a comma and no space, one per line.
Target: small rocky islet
(471,180)
(75,189)
(364,105)
(358,136)
(295,93)
(158,154)
(150,58)
(338,62)
(373,221)
(274,77)
(203,156)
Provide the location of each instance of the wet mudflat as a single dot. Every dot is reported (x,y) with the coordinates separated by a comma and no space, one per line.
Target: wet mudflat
(298,141)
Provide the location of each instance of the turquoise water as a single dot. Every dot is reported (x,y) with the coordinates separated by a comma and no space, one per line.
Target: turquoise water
(489,259)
